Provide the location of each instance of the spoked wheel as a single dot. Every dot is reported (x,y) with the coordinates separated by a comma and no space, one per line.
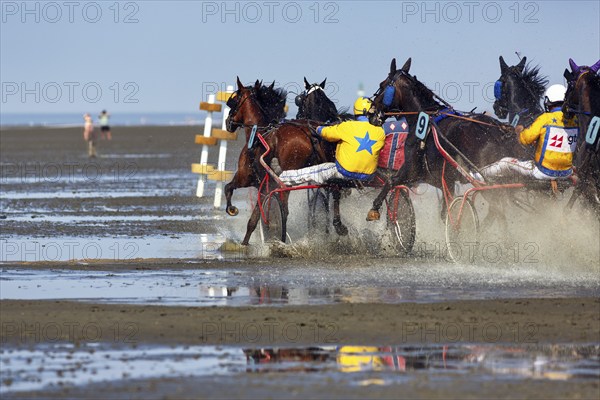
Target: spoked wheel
(401,220)
(318,210)
(273,229)
(462,229)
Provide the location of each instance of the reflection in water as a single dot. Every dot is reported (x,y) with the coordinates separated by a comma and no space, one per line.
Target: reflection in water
(244,285)
(557,362)
(59,365)
(277,294)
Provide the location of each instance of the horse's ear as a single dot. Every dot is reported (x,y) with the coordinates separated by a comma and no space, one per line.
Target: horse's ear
(595,67)
(568,75)
(503,65)
(574,67)
(521,64)
(322,84)
(306,84)
(406,66)
(272,85)
(239,83)
(393,66)
(257,85)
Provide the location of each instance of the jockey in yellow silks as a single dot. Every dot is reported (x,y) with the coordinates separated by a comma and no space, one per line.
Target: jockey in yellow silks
(556,139)
(358,146)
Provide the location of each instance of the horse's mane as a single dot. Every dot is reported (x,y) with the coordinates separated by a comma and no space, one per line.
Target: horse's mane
(535,82)
(272,102)
(423,92)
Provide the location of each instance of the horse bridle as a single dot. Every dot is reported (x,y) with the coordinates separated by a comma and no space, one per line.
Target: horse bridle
(299,100)
(391,86)
(234,110)
(501,100)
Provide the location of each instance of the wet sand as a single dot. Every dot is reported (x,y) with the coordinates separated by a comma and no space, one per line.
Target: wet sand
(494,321)
(32,158)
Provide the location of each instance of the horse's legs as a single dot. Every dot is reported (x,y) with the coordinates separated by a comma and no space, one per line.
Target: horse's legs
(242,178)
(252,222)
(340,228)
(229,188)
(284,216)
(373,214)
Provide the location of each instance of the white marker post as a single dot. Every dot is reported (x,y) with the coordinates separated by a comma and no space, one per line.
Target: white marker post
(204,154)
(222,154)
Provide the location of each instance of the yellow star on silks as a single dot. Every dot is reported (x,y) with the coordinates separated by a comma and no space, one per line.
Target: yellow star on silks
(365,143)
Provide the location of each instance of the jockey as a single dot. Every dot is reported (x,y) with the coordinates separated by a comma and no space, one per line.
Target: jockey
(556,139)
(358,146)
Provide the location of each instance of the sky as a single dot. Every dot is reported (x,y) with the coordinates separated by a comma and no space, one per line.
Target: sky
(167,56)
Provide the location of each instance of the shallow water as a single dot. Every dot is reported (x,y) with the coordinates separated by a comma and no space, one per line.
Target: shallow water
(53,366)
(107,249)
(208,283)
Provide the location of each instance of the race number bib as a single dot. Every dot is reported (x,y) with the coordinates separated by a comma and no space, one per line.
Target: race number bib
(561,140)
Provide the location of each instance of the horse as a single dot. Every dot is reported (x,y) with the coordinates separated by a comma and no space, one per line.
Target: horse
(583,98)
(518,93)
(291,142)
(480,138)
(314,105)
(270,110)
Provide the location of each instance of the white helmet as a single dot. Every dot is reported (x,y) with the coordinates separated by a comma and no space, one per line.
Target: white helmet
(555,93)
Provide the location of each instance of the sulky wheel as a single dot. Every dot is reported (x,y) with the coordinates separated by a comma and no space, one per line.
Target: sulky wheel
(274,228)
(462,229)
(318,210)
(401,220)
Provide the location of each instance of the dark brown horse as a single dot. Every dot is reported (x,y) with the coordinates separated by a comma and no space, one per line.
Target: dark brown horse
(291,142)
(480,138)
(518,92)
(583,99)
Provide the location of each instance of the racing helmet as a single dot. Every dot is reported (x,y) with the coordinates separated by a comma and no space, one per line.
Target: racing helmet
(555,94)
(361,106)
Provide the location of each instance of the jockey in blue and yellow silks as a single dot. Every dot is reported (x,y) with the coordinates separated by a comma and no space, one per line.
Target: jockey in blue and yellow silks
(556,139)
(358,146)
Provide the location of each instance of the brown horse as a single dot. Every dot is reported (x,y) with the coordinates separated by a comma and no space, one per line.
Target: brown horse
(583,98)
(291,142)
(268,110)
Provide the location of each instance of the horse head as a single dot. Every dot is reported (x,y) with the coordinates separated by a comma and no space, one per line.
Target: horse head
(314,104)
(580,80)
(518,90)
(401,91)
(256,104)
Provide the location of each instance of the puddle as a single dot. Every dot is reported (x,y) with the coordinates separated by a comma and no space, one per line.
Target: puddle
(48,366)
(263,285)
(53,366)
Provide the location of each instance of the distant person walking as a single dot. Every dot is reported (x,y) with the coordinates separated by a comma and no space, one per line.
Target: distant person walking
(89,135)
(104,127)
